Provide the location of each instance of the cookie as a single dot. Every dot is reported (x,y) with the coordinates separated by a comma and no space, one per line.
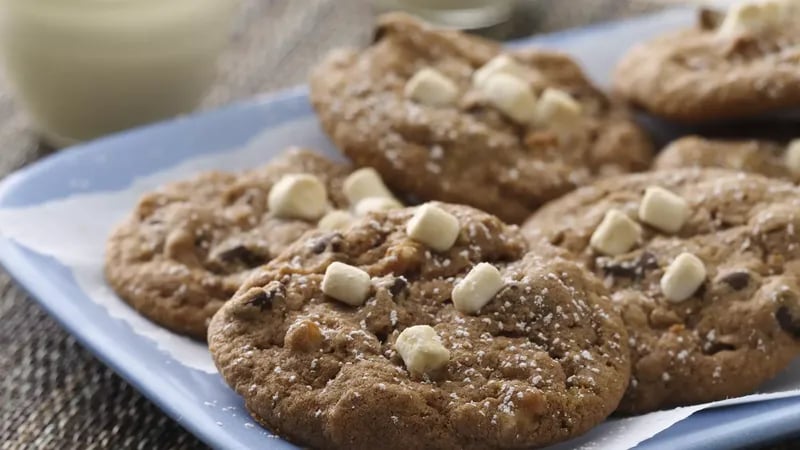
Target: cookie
(448,116)
(727,66)
(370,338)
(703,266)
(771,159)
(188,246)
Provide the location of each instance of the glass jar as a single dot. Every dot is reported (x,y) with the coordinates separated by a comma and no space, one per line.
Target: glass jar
(462,14)
(85,68)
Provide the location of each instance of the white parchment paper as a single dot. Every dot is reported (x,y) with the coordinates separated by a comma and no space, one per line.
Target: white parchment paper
(77,240)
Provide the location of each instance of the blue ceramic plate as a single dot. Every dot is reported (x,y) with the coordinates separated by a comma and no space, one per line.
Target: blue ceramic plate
(200,401)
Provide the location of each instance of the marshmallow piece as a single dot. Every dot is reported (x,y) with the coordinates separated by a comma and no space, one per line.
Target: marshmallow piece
(498,64)
(752,16)
(480,285)
(616,234)
(422,350)
(375,204)
(512,96)
(792,157)
(298,196)
(346,283)
(335,220)
(434,227)
(430,87)
(682,278)
(662,209)
(557,108)
(364,183)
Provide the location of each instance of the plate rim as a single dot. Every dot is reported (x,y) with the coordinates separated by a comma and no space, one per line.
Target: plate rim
(23,270)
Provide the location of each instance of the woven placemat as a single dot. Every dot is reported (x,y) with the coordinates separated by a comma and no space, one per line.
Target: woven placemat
(54,393)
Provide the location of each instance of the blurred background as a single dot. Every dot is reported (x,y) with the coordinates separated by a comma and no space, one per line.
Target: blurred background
(76,69)
(80,69)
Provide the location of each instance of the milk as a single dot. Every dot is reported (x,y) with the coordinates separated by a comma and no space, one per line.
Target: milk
(84,68)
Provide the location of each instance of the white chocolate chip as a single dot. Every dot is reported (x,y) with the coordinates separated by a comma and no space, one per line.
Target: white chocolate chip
(556,108)
(752,16)
(792,157)
(434,227)
(346,283)
(498,64)
(376,204)
(298,196)
(512,96)
(364,183)
(664,210)
(335,220)
(422,350)
(616,234)
(682,278)
(480,285)
(430,87)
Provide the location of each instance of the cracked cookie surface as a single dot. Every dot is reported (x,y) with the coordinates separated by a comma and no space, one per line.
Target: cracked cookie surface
(468,152)
(741,327)
(546,359)
(188,246)
(754,156)
(697,75)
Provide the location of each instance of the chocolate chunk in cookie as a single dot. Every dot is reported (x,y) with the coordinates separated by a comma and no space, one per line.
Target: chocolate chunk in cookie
(187,247)
(538,355)
(767,158)
(712,308)
(732,65)
(448,116)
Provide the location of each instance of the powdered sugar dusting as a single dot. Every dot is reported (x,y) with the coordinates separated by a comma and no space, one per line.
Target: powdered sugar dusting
(78,240)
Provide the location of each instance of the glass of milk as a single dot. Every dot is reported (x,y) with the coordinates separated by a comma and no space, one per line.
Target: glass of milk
(462,14)
(85,68)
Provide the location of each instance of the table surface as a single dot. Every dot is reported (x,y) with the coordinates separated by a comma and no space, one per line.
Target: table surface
(54,393)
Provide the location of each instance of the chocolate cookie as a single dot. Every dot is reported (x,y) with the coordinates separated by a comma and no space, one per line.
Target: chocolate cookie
(727,66)
(703,266)
(771,159)
(370,338)
(187,247)
(448,116)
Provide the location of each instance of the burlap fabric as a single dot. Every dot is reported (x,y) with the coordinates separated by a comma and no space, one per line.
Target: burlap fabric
(55,394)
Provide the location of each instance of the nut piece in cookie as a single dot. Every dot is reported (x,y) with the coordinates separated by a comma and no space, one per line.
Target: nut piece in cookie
(735,68)
(709,309)
(187,246)
(771,159)
(447,116)
(545,360)
(422,350)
